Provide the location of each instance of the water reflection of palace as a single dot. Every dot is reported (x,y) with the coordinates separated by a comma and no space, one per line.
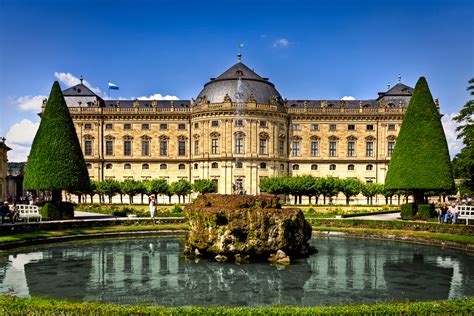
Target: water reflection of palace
(152,270)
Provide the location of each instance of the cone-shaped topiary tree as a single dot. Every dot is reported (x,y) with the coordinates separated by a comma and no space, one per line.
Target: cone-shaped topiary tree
(56,162)
(420,160)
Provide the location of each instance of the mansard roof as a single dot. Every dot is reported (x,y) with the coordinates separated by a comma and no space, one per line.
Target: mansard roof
(332,103)
(148,103)
(79,90)
(397,90)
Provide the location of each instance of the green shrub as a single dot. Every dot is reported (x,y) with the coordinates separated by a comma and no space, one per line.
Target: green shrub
(408,211)
(177,209)
(67,210)
(426,211)
(50,212)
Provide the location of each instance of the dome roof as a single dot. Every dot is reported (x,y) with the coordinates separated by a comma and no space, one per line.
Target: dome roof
(240,84)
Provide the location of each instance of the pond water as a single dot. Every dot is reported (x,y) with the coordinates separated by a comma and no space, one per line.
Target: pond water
(152,270)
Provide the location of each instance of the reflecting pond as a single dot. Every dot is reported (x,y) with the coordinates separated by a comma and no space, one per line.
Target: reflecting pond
(152,270)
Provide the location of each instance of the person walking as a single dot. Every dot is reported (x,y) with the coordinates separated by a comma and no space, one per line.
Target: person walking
(443,213)
(152,206)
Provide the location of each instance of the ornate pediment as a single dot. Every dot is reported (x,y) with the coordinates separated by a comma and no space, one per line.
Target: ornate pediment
(351,138)
(315,138)
(163,137)
(391,137)
(333,138)
(263,135)
(182,137)
(145,137)
(215,135)
(127,137)
(370,138)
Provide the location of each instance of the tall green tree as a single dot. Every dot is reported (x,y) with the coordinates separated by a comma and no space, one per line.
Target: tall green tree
(463,163)
(329,187)
(420,160)
(110,187)
(181,188)
(156,187)
(56,161)
(204,186)
(369,190)
(350,187)
(131,188)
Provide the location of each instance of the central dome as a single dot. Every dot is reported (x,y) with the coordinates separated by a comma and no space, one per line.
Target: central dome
(240,84)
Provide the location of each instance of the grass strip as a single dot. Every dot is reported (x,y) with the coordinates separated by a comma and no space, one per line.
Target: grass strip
(33,306)
(88,231)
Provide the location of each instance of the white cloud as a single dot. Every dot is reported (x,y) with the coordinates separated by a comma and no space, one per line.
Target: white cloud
(282,42)
(455,145)
(70,80)
(158,96)
(29,103)
(19,138)
(348,98)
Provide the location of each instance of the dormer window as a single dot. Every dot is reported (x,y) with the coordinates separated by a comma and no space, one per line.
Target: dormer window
(239,73)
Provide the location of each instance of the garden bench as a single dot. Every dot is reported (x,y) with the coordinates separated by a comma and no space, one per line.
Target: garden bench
(28,211)
(466,212)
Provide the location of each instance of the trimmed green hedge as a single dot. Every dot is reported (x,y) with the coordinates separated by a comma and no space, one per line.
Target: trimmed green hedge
(35,306)
(50,212)
(426,211)
(408,211)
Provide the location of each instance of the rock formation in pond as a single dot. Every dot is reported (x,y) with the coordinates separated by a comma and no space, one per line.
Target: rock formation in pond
(243,228)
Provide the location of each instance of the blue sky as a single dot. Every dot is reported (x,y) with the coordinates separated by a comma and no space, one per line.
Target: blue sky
(309,49)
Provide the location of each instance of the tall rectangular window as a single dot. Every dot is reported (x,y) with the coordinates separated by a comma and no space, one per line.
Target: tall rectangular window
(295,127)
(369,149)
(239,123)
(145,147)
(215,145)
(163,126)
(109,147)
(332,127)
(314,127)
(314,149)
(296,148)
(181,126)
(332,149)
(281,147)
(391,146)
(182,148)
(262,146)
(88,147)
(163,148)
(127,147)
(196,146)
(351,149)
(239,145)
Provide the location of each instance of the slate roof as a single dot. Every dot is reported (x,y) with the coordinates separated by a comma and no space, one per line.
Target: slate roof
(147,103)
(78,90)
(332,103)
(397,90)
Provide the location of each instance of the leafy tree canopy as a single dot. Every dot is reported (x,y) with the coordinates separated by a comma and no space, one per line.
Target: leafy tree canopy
(204,186)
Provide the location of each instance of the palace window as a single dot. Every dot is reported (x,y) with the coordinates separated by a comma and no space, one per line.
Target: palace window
(262,146)
(88,147)
(127,166)
(145,166)
(314,149)
(163,126)
(108,166)
(332,149)
(351,148)
(370,127)
(369,167)
(181,148)
(295,127)
(239,144)
(89,166)
(332,127)
(296,148)
(196,166)
(214,123)
(282,167)
(127,126)
(214,165)
(163,148)
(369,149)
(263,165)
(127,147)
(350,167)
(281,147)
(145,126)
(351,127)
(391,127)
(332,167)
(263,123)
(296,167)
(109,126)
(239,123)
(196,147)
(181,166)
(163,166)
(390,147)
(87,126)
(196,125)
(214,145)
(181,126)
(314,167)
(314,127)
(145,147)
(109,147)
(238,164)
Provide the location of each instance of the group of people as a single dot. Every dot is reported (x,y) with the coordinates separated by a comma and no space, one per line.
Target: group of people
(6,210)
(446,213)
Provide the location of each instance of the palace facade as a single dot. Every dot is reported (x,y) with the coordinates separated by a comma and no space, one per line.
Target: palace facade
(3,169)
(238,130)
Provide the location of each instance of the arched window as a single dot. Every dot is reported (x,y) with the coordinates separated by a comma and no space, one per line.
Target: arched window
(89,166)
(369,167)
(350,167)
(282,167)
(163,166)
(214,165)
(127,166)
(332,167)
(181,166)
(263,165)
(145,166)
(196,166)
(238,164)
(296,167)
(108,166)
(314,167)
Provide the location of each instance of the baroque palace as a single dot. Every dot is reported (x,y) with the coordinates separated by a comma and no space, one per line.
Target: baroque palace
(238,130)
